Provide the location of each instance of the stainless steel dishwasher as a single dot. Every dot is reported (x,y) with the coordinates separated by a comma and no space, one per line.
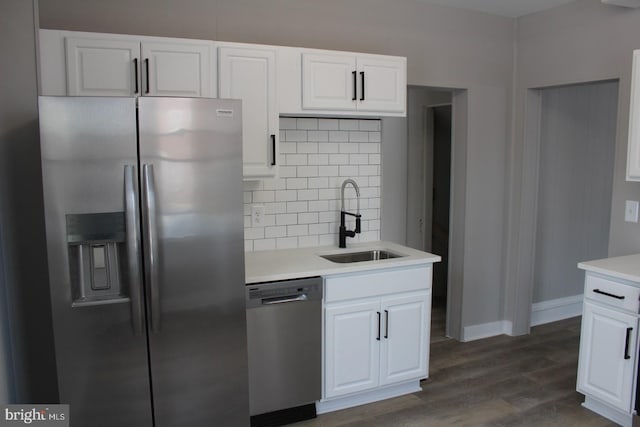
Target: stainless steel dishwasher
(284,340)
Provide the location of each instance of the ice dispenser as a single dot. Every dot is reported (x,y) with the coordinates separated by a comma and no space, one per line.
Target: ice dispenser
(96,245)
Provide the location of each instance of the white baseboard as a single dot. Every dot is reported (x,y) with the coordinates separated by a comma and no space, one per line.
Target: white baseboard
(324,406)
(556,309)
(486,330)
(615,415)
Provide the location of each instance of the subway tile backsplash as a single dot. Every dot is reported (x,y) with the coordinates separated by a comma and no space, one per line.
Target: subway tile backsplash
(302,206)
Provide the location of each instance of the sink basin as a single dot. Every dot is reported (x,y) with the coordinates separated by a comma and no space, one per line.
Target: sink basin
(373,255)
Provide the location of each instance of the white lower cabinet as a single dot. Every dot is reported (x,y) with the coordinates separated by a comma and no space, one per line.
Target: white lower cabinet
(606,366)
(403,352)
(374,337)
(352,348)
(609,347)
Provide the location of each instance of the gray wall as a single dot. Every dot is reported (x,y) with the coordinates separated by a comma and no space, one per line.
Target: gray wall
(24,275)
(582,41)
(445,47)
(393,225)
(577,144)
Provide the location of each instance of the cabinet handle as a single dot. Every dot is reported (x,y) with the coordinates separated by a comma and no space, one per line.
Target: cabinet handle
(598,291)
(627,356)
(146,66)
(378,337)
(355,86)
(362,81)
(386,324)
(273,149)
(135,70)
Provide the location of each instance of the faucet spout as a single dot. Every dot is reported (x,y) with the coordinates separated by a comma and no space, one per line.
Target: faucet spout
(344,233)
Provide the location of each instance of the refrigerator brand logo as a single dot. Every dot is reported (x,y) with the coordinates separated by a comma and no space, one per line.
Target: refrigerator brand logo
(40,415)
(222,112)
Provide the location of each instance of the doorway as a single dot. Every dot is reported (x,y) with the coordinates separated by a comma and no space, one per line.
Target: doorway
(440,133)
(576,161)
(429,132)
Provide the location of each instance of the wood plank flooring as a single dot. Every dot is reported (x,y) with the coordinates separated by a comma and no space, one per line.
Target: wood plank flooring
(501,381)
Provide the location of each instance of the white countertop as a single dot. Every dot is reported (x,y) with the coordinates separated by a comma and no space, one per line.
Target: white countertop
(283,264)
(623,267)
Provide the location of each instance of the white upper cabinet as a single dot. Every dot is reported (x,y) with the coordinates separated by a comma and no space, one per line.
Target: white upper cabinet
(329,82)
(94,64)
(97,67)
(633,159)
(354,82)
(249,73)
(176,69)
(383,84)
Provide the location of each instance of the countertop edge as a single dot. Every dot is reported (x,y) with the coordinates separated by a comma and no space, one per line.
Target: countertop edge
(275,265)
(624,267)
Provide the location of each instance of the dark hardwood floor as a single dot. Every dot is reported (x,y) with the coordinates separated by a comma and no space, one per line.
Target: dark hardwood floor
(501,381)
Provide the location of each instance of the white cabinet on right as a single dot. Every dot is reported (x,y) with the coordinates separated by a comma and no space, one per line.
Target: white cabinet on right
(608,361)
(354,82)
(606,367)
(633,152)
(376,340)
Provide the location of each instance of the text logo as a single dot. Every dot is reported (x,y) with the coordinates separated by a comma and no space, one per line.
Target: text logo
(36,415)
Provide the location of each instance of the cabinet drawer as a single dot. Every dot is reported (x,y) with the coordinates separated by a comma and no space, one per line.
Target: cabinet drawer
(370,284)
(612,293)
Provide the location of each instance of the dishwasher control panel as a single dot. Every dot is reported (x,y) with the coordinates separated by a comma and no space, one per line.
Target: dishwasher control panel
(307,289)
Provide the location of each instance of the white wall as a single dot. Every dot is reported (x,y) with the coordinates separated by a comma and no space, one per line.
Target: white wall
(445,47)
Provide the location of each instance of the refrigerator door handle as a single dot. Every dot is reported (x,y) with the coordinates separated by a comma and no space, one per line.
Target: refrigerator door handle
(133,249)
(151,246)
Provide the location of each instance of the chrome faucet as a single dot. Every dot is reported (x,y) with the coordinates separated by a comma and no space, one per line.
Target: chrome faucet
(344,233)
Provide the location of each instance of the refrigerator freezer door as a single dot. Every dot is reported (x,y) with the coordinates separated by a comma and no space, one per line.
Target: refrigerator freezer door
(89,156)
(191,157)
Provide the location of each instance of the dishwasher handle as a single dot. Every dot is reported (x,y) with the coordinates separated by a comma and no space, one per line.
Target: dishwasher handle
(282,300)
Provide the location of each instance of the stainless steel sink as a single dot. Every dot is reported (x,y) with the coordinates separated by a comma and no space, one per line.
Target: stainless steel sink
(372,255)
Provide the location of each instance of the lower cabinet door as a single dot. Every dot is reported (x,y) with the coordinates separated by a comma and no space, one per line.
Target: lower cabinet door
(404,351)
(607,355)
(352,348)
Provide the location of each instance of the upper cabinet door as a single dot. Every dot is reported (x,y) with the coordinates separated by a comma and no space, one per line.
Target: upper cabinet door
(383,84)
(102,67)
(176,69)
(633,153)
(329,82)
(249,74)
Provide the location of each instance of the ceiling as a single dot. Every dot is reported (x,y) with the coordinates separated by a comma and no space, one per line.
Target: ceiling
(511,8)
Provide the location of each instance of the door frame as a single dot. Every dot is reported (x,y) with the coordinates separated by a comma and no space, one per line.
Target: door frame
(523,213)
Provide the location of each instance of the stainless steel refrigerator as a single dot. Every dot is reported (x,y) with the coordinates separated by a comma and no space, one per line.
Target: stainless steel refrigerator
(143,206)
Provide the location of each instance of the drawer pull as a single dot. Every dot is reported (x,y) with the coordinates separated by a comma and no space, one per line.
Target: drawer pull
(627,356)
(598,291)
